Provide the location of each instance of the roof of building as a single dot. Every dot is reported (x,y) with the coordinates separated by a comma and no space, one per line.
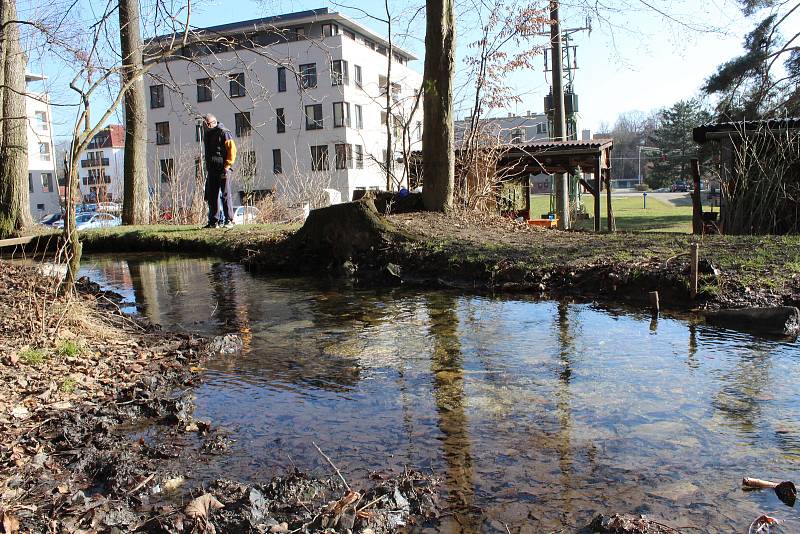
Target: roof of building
(719,130)
(564,146)
(310,15)
(112,136)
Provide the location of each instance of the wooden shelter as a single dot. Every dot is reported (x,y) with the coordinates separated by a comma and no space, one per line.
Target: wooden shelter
(551,157)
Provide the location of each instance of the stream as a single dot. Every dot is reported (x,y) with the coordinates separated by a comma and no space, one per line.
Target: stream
(536,414)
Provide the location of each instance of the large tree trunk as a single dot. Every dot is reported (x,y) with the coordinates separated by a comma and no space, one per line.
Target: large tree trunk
(438,157)
(135,196)
(15,210)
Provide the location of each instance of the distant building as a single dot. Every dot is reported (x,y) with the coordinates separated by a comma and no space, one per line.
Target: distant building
(42,181)
(100,171)
(304,95)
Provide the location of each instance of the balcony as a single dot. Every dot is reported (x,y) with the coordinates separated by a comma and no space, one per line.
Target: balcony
(102,162)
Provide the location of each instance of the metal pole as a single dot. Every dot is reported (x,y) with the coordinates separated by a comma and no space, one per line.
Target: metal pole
(559,117)
(639,167)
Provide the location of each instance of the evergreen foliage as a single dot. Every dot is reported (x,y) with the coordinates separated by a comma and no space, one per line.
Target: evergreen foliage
(673,137)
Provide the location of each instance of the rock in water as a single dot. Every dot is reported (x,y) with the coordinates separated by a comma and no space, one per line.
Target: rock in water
(779,320)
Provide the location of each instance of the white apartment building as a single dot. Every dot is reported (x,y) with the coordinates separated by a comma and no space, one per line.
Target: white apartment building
(42,179)
(304,95)
(100,175)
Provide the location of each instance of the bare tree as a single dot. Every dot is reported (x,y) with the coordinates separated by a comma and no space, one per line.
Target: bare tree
(14,202)
(438,140)
(134,200)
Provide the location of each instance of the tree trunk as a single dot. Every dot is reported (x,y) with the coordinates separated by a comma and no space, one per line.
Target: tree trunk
(15,210)
(135,195)
(438,157)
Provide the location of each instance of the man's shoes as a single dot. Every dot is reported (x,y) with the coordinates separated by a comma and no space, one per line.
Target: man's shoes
(228,224)
(210,225)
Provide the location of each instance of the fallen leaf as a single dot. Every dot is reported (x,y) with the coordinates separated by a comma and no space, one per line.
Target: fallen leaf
(762,524)
(10,523)
(199,507)
(20,412)
(173,483)
(786,492)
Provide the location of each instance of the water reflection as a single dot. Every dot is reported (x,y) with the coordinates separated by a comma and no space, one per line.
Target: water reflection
(536,414)
(447,370)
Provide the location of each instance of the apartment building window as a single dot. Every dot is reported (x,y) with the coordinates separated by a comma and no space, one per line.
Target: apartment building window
(349,34)
(237,85)
(280,118)
(281,79)
(162,133)
(308,75)
(299,33)
(167,167)
(344,156)
(40,207)
(383,118)
(198,131)
(314,117)
(41,120)
(248,166)
(516,136)
(204,90)
(383,84)
(329,30)
(359,156)
(341,114)
(277,163)
(359,117)
(156,96)
(339,72)
(357,75)
(44,151)
(541,128)
(319,158)
(47,182)
(242,123)
(30,182)
(419,130)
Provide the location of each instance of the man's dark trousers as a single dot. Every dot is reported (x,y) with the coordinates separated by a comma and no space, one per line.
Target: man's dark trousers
(214,184)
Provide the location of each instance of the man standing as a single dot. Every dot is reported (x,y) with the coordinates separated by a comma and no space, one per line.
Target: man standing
(220,153)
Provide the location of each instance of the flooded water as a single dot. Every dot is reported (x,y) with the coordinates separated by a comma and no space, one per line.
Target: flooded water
(537,414)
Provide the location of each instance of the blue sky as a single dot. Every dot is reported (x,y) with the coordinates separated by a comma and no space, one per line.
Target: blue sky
(636,59)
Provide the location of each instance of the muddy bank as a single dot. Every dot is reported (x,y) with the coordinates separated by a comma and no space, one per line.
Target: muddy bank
(79,377)
(479,252)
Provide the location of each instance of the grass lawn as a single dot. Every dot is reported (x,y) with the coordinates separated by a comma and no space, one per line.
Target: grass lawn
(660,215)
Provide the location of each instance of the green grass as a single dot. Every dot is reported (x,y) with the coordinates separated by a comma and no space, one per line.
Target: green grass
(32,356)
(69,348)
(660,215)
(68,385)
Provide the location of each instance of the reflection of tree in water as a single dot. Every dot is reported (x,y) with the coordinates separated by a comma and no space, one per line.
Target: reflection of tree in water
(447,367)
(145,289)
(738,399)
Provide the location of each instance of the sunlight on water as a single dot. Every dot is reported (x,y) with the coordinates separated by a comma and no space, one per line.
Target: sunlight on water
(538,414)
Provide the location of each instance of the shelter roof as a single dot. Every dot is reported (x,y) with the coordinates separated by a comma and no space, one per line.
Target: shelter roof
(721,130)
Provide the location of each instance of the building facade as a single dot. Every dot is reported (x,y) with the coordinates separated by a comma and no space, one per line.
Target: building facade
(304,95)
(42,179)
(100,174)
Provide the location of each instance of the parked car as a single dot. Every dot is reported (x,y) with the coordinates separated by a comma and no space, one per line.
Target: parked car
(680,187)
(245,214)
(50,219)
(86,220)
(110,207)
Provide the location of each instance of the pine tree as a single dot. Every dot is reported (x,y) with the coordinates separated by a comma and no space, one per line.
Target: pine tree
(674,138)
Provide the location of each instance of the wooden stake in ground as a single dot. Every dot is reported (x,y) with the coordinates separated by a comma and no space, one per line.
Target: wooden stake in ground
(695,252)
(654,305)
(697,206)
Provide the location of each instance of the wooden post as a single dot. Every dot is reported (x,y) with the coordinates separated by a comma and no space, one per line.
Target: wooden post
(697,206)
(597,184)
(612,225)
(695,252)
(654,304)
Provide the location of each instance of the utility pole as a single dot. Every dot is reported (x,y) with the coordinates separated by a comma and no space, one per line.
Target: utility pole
(559,117)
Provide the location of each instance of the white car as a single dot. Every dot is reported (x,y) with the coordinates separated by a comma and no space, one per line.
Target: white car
(245,214)
(86,220)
